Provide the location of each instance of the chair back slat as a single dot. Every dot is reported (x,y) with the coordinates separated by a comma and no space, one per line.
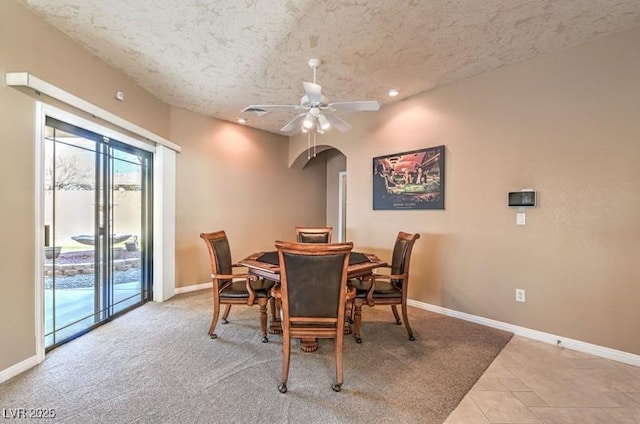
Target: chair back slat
(313,234)
(219,253)
(313,279)
(222,255)
(399,257)
(402,254)
(313,284)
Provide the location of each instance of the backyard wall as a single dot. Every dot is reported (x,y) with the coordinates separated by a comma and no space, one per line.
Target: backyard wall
(79,219)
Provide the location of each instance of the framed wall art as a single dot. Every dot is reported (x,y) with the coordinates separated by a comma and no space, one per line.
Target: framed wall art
(409,180)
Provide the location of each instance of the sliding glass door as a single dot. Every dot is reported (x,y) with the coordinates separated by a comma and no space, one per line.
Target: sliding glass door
(98,242)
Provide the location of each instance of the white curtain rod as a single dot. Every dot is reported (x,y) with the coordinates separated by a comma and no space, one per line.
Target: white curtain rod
(25,79)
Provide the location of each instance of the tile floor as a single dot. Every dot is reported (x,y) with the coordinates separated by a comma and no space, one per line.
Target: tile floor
(534,382)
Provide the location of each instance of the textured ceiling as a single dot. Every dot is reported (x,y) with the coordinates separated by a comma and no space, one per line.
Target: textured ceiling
(217,56)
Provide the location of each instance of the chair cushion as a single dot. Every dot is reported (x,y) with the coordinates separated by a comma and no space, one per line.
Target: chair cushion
(238,289)
(361,286)
(383,289)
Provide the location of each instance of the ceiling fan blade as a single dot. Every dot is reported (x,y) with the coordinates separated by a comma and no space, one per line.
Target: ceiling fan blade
(313,92)
(293,124)
(264,109)
(363,105)
(337,123)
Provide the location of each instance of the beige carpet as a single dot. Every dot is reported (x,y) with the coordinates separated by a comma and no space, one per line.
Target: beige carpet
(157,364)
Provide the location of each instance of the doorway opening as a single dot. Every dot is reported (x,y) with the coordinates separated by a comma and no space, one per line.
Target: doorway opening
(97,229)
(342,206)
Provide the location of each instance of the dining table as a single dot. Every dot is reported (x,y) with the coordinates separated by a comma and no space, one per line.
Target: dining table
(266,265)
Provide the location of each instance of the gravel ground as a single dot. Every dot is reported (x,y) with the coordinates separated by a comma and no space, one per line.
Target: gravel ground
(86,280)
(85,256)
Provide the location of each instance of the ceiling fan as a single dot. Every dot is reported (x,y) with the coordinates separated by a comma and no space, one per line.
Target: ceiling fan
(318,113)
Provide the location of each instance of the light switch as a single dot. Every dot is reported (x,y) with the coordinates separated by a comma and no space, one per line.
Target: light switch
(521,218)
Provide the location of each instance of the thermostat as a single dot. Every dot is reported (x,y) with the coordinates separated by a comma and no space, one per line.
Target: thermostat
(522,198)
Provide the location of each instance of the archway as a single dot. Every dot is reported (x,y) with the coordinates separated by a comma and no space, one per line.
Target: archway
(336,167)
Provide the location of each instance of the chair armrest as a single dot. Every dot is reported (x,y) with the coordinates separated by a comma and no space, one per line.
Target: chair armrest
(382,267)
(351,293)
(388,276)
(248,278)
(252,277)
(374,276)
(276,292)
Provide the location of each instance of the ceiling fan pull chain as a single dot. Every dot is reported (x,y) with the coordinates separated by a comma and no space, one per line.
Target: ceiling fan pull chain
(308,146)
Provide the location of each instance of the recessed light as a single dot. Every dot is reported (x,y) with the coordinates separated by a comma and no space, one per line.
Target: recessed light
(393,92)
(242,121)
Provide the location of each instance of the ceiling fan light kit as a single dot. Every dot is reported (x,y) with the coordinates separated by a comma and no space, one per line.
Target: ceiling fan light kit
(324,122)
(320,114)
(307,123)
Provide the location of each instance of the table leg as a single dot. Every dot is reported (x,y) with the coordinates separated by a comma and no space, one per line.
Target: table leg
(275,327)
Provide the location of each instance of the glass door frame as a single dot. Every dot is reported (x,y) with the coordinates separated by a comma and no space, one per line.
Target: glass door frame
(42,111)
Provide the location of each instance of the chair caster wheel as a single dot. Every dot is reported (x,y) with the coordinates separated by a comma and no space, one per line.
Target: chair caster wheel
(336,387)
(224,321)
(265,339)
(282,388)
(412,338)
(358,340)
(213,336)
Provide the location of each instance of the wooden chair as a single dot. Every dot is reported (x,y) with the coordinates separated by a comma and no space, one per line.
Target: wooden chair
(387,289)
(313,294)
(233,289)
(313,234)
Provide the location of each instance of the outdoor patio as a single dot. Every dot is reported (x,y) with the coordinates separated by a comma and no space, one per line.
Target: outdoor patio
(73,294)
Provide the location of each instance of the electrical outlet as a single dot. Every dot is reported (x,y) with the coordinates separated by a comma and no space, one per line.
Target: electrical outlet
(521,218)
(520,295)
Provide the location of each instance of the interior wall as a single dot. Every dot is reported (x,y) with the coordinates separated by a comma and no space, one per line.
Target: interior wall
(28,44)
(566,124)
(237,179)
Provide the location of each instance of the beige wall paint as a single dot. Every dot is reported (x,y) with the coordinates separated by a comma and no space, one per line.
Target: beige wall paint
(237,179)
(566,124)
(28,44)
(17,318)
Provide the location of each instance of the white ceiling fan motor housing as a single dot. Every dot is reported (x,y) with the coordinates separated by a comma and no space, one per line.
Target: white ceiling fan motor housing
(314,63)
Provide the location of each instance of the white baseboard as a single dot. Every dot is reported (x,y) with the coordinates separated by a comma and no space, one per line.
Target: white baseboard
(19,368)
(193,287)
(604,352)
